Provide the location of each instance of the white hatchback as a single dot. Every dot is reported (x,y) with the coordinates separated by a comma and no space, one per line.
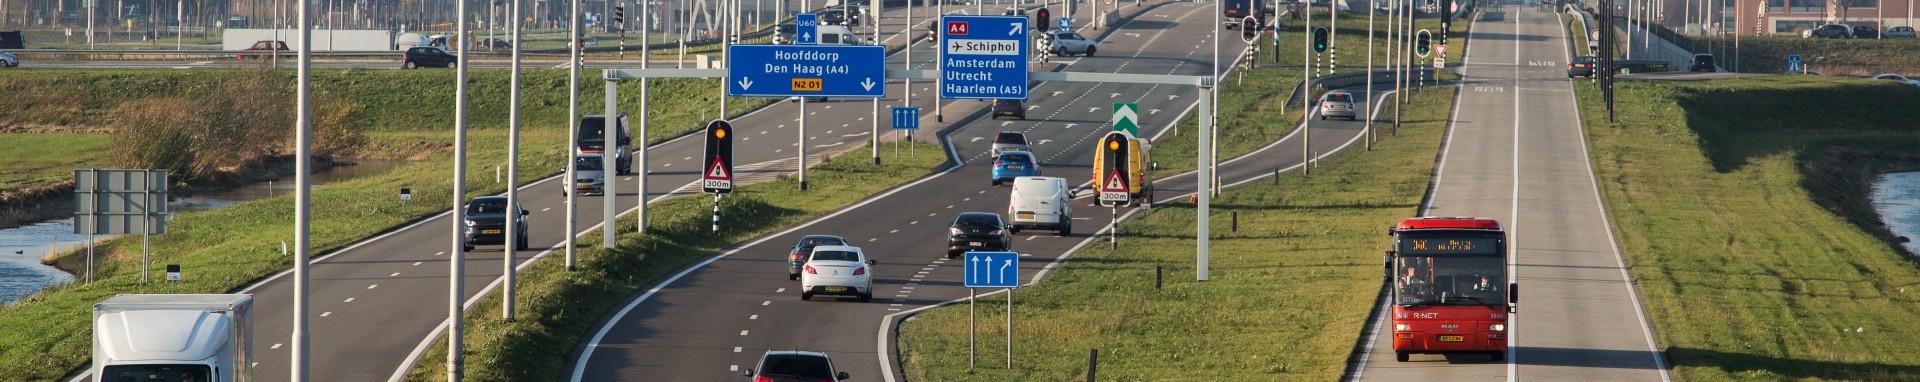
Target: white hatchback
(838,270)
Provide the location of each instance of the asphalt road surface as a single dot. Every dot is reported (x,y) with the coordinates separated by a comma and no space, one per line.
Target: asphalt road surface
(1516,153)
(717,317)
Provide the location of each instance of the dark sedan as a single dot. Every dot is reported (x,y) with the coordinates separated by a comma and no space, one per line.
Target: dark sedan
(486,222)
(1582,66)
(798,252)
(977,231)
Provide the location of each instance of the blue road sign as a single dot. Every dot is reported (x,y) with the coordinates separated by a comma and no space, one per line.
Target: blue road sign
(906,118)
(851,71)
(984,57)
(1066,24)
(806,29)
(992,269)
(1793,62)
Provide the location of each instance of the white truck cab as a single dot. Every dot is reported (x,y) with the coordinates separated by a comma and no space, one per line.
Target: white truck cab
(173,337)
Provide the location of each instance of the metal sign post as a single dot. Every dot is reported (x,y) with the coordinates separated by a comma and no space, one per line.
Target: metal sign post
(904,118)
(173,278)
(108,202)
(991,270)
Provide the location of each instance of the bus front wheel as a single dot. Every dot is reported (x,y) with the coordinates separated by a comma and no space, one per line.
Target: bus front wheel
(1499,356)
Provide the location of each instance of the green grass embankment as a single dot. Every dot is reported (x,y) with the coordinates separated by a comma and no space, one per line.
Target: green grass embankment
(404,115)
(34,159)
(1251,111)
(1833,57)
(1741,206)
(558,308)
(1289,293)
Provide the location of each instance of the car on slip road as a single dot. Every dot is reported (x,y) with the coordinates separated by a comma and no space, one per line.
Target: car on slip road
(487,218)
(798,253)
(1582,66)
(977,231)
(837,270)
(795,366)
(1337,104)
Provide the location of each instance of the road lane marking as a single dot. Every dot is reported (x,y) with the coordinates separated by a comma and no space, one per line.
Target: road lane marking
(276,346)
(753,317)
(395,274)
(781,290)
(743,332)
(765,303)
(418,262)
(349,299)
(736,349)
(326,314)
(373,286)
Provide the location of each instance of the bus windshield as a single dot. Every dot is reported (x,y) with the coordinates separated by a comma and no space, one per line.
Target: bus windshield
(1472,280)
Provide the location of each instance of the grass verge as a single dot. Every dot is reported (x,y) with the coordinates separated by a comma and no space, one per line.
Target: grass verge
(1747,226)
(557,309)
(34,159)
(1288,298)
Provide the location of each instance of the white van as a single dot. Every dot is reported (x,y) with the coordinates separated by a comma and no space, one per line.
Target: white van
(1041,202)
(838,35)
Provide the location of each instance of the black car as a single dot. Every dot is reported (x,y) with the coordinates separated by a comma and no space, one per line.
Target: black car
(1701,63)
(798,252)
(1009,108)
(1582,66)
(795,366)
(978,231)
(486,223)
(839,17)
(1830,31)
(426,57)
(1863,31)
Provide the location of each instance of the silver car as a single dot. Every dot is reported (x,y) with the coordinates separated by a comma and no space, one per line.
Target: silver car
(9,60)
(1898,32)
(589,174)
(1069,43)
(1337,104)
(1009,141)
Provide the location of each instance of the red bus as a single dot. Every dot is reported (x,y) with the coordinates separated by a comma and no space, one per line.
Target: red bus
(1451,294)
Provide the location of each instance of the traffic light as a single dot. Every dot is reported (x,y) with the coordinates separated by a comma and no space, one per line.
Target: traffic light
(1320,40)
(619,13)
(1114,174)
(1249,28)
(1423,43)
(717,178)
(1041,20)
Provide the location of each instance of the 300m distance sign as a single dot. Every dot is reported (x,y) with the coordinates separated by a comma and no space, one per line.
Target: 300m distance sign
(718,176)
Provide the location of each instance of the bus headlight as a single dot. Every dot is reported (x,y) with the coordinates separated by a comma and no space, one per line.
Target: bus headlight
(1498,327)
(1400,327)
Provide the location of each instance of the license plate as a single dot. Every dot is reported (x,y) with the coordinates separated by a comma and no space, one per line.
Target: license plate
(1026,216)
(842,289)
(976,244)
(1013,167)
(491,232)
(1453,338)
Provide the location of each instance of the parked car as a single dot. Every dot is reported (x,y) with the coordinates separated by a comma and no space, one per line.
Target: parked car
(1896,77)
(1829,31)
(1898,32)
(263,48)
(426,57)
(588,174)
(1582,66)
(1701,63)
(1013,164)
(1041,202)
(1009,108)
(1337,104)
(977,231)
(9,60)
(1863,31)
(838,16)
(788,366)
(798,252)
(837,270)
(1010,141)
(1069,43)
(486,221)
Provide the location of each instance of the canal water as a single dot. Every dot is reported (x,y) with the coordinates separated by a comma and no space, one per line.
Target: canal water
(1896,196)
(21,248)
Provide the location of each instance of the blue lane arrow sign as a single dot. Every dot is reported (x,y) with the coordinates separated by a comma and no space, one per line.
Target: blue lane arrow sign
(847,71)
(984,57)
(806,29)
(1066,24)
(906,118)
(992,269)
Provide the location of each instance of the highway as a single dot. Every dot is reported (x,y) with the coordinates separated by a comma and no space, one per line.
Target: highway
(1516,152)
(398,281)
(717,317)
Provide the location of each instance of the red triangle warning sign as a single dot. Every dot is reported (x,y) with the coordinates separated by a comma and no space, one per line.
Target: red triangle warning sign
(1114,183)
(719,170)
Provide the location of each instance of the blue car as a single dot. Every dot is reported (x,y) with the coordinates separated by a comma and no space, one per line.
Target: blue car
(1013,164)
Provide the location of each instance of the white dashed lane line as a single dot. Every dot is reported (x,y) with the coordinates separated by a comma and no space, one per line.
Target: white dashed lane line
(349,299)
(373,286)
